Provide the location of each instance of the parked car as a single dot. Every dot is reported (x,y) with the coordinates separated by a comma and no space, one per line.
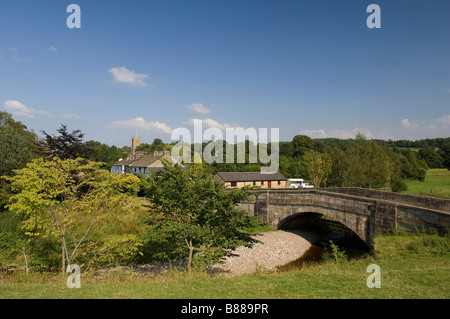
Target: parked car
(306,185)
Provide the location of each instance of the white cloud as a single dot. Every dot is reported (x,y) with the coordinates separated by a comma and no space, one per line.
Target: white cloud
(409,129)
(13,49)
(320,133)
(52,48)
(406,123)
(18,109)
(344,133)
(198,108)
(338,133)
(426,128)
(123,75)
(445,120)
(140,123)
(207,123)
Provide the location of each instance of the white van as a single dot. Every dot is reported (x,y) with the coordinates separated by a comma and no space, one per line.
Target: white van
(295,182)
(299,183)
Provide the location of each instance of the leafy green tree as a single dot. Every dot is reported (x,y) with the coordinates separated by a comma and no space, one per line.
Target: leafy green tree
(431,157)
(444,152)
(192,215)
(302,144)
(363,163)
(157,145)
(318,166)
(18,146)
(65,199)
(412,168)
(99,152)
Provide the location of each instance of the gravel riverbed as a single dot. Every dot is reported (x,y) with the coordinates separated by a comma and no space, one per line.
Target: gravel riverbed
(276,248)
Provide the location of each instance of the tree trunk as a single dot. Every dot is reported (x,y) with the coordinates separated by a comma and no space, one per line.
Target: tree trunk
(25,256)
(191,251)
(63,259)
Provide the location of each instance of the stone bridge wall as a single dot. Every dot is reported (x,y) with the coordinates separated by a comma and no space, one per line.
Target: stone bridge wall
(365,216)
(414,200)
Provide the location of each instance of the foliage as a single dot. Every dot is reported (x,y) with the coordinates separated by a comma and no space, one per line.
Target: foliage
(302,144)
(192,214)
(18,146)
(413,168)
(431,157)
(413,273)
(318,166)
(99,152)
(444,152)
(64,200)
(364,163)
(66,145)
(333,253)
(157,145)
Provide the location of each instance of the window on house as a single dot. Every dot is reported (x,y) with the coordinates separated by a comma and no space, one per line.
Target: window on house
(233,184)
(254,183)
(279,182)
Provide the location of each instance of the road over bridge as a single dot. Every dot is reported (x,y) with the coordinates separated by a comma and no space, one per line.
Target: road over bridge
(365,212)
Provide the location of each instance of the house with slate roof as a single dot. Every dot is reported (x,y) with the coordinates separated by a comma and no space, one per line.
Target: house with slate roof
(241,179)
(143,164)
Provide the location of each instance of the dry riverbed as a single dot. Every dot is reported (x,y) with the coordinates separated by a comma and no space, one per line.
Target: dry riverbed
(276,248)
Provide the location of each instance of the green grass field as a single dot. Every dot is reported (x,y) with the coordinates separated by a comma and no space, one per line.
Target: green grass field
(437,184)
(412,266)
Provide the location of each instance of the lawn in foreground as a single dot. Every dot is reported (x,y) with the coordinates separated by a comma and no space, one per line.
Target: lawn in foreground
(412,266)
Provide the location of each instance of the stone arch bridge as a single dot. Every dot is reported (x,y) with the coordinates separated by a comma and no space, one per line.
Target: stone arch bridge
(366,212)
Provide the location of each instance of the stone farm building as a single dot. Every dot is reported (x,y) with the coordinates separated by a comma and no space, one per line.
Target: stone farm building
(241,179)
(141,163)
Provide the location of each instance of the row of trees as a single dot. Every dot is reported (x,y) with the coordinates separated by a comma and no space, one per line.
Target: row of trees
(354,162)
(63,208)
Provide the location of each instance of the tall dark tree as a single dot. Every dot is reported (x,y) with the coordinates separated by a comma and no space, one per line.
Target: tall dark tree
(444,152)
(302,144)
(431,157)
(65,145)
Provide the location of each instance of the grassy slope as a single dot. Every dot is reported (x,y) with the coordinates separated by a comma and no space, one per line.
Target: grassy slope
(411,267)
(437,183)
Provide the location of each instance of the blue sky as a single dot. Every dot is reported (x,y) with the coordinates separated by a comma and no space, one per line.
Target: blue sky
(305,67)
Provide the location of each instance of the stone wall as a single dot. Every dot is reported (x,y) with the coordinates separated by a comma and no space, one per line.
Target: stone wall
(364,216)
(421,201)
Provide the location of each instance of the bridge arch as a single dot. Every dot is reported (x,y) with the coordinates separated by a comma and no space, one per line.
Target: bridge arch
(364,212)
(334,226)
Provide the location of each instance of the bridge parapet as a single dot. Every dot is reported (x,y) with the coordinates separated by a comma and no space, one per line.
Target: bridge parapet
(414,200)
(365,216)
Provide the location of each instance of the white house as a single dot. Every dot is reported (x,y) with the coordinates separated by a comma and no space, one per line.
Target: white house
(144,164)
